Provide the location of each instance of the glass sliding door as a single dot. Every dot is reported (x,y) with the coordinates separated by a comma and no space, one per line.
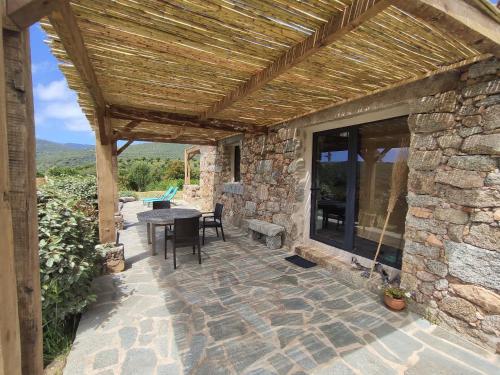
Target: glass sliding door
(331,187)
(351,186)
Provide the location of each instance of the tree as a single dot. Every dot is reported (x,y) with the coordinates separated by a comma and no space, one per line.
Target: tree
(139,176)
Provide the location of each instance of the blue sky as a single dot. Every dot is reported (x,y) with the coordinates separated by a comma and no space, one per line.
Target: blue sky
(58,116)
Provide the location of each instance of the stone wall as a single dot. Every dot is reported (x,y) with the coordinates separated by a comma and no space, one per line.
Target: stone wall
(202,195)
(452,253)
(191,192)
(272,181)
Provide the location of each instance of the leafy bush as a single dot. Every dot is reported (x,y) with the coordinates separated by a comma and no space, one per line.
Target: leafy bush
(139,176)
(68,233)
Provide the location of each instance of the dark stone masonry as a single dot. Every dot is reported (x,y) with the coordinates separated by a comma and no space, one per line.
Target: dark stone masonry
(452,253)
(451,259)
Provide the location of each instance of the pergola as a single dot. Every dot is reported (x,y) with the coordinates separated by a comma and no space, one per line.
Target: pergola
(197,72)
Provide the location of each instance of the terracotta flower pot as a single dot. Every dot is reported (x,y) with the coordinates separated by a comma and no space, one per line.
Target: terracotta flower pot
(394,303)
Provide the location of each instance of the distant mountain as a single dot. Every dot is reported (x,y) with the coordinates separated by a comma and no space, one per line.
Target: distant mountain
(49,154)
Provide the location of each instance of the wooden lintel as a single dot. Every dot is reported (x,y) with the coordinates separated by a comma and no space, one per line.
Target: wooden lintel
(124,147)
(65,24)
(146,137)
(24,13)
(459,19)
(337,26)
(189,121)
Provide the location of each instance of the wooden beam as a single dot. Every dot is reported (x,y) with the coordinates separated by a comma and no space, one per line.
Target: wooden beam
(132,124)
(459,19)
(336,27)
(105,190)
(148,137)
(10,342)
(146,115)
(124,147)
(25,13)
(66,26)
(22,196)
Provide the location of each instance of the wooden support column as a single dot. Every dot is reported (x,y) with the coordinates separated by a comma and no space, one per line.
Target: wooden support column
(22,197)
(114,160)
(105,188)
(10,343)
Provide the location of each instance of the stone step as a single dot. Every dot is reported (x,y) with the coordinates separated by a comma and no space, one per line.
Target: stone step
(342,272)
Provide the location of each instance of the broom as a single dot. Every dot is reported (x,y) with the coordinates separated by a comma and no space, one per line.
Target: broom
(398,185)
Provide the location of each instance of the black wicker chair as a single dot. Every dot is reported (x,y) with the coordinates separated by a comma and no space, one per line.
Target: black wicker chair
(213,220)
(161,205)
(186,233)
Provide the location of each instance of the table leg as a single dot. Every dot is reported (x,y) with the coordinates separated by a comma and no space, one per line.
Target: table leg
(148,225)
(153,240)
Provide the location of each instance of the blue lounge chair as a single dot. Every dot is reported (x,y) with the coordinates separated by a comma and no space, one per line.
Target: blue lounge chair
(161,197)
(168,197)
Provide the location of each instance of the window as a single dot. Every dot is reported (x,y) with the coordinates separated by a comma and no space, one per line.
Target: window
(351,186)
(236,164)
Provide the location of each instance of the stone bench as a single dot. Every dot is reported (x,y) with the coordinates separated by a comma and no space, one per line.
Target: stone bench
(272,232)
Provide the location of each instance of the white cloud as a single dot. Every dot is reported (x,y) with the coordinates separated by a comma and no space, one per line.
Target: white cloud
(62,110)
(55,90)
(81,125)
(42,67)
(58,105)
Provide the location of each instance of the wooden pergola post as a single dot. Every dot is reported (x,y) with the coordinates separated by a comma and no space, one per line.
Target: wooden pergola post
(23,205)
(10,342)
(106,185)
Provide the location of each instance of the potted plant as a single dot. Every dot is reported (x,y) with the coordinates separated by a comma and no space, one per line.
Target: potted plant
(395,298)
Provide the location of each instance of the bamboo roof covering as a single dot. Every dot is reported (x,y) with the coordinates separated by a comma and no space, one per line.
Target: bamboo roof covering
(185,57)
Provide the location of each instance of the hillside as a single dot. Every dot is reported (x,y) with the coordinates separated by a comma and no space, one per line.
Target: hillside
(49,154)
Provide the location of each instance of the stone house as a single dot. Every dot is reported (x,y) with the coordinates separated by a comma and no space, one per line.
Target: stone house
(444,234)
(342,121)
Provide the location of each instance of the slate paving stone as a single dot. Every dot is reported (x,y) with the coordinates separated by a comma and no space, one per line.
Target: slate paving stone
(128,336)
(170,369)
(367,363)
(339,335)
(336,304)
(105,358)
(287,335)
(244,312)
(299,355)
(337,368)
(214,309)
(296,304)
(287,319)
(227,328)
(316,295)
(317,349)
(431,362)
(402,345)
(458,353)
(281,363)
(139,361)
(261,371)
(244,353)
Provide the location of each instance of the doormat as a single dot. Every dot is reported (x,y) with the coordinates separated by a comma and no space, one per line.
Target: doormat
(301,262)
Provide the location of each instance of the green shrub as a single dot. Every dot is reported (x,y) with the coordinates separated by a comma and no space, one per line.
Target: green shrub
(165,184)
(68,233)
(139,176)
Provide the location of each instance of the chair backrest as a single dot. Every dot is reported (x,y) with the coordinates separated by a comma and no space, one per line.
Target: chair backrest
(171,195)
(161,204)
(218,211)
(167,192)
(187,229)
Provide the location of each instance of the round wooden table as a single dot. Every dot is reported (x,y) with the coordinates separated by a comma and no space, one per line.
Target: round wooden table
(163,217)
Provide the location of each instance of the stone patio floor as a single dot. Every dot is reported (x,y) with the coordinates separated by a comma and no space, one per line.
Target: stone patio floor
(246,310)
